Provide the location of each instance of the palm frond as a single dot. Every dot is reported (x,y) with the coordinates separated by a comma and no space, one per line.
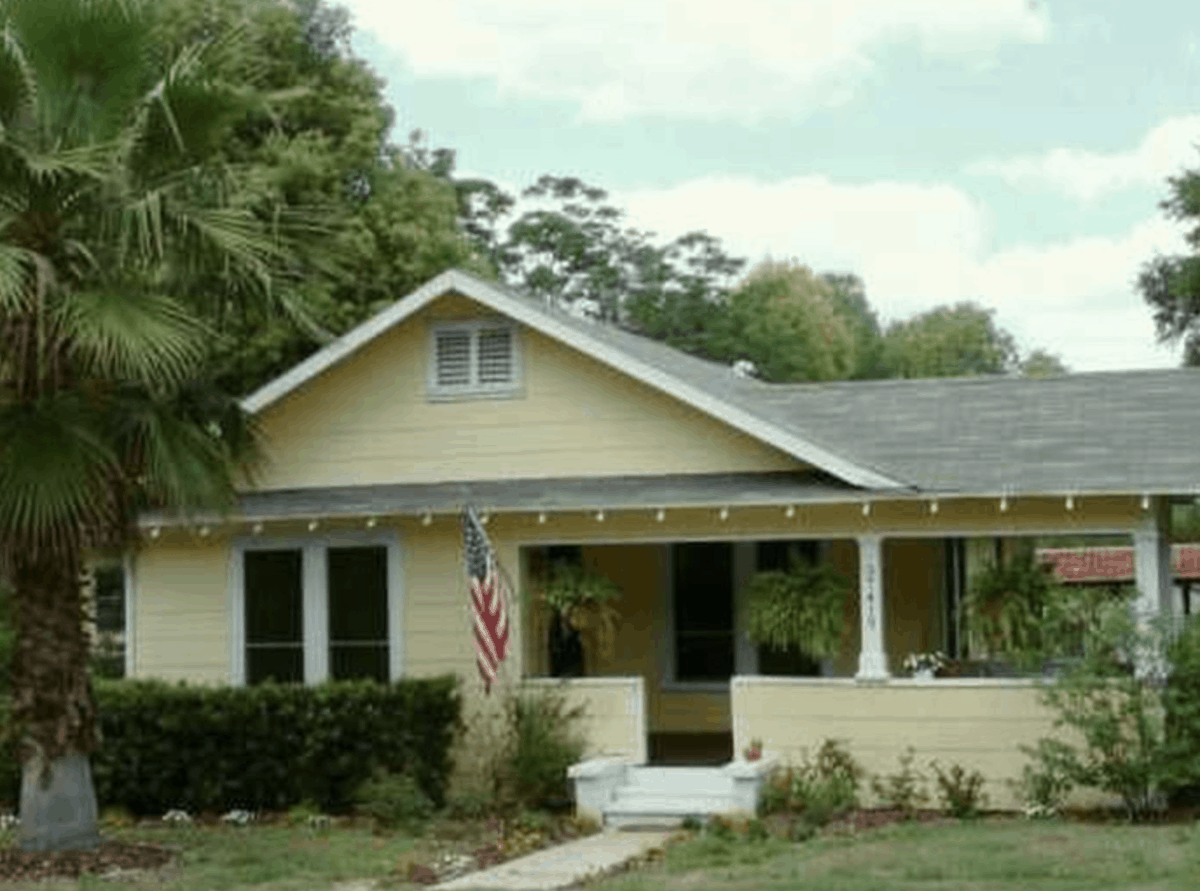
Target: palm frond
(132,335)
(18,82)
(54,472)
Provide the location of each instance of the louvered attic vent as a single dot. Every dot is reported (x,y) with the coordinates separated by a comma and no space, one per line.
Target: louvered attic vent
(472,359)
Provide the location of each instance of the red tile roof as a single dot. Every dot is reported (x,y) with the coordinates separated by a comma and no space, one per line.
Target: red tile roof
(1114,564)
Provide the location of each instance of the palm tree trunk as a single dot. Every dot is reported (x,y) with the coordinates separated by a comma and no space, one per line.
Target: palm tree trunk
(52,703)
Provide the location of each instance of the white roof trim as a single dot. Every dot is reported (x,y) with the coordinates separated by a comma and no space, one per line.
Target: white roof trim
(469,286)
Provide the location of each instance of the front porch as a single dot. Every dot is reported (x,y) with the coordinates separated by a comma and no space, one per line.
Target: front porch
(707,692)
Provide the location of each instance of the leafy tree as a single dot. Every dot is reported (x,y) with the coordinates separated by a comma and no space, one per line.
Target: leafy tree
(1040,363)
(1171,284)
(849,296)
(117,208)
(786,321)
(322,141)
(949,341)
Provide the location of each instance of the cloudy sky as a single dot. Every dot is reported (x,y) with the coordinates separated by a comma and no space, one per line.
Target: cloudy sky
(1004,151)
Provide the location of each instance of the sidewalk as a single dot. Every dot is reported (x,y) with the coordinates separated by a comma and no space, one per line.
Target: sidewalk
(564,865)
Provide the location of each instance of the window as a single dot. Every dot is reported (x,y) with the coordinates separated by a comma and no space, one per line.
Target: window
(474,359)
(778,555)
(108,592)
(703,611)
(316,610)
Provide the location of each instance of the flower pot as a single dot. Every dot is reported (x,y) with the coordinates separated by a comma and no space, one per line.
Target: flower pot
(566,649)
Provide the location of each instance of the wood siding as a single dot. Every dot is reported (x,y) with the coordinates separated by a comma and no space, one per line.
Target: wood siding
(368,421)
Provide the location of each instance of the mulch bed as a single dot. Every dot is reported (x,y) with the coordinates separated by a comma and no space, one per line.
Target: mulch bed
(111,857)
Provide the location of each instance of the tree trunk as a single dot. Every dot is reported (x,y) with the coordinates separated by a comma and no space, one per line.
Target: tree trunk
(52,703)
(58,805)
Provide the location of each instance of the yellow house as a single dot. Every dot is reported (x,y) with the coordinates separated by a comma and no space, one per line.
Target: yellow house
(675,477)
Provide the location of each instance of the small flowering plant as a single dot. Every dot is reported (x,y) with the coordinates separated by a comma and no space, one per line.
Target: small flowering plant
(9,822)
(925,662)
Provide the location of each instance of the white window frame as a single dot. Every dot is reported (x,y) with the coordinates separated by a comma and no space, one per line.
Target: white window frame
(315,599)
(474,389)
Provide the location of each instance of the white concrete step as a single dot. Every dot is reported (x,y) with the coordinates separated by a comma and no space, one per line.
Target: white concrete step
(692,780)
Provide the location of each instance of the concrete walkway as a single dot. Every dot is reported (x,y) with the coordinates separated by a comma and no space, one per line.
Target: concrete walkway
(564,865)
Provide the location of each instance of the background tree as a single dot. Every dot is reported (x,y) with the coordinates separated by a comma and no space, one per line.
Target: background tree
(849,296)
(787,321)
(949,341)
(1171,284)
(1040,363)
(321,141)
(118,208)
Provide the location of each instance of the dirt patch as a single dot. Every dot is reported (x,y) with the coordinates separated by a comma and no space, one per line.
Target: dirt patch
(112,858)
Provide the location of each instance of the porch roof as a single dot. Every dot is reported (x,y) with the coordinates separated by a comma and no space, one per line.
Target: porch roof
(528,495)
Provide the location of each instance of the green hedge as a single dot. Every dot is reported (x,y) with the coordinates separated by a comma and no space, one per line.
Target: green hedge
(268,746)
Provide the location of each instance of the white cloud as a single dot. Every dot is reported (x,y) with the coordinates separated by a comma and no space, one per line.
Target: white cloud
(686,58)
(1085,175)
(917,246)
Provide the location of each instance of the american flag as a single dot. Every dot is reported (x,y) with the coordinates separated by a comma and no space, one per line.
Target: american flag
(489,599)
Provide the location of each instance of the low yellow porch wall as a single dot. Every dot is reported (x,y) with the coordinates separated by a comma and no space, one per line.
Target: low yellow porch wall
(978,723)
(614,712)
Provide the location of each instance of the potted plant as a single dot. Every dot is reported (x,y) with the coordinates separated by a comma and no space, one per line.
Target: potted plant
(800,609)
(924,666)
(580,603)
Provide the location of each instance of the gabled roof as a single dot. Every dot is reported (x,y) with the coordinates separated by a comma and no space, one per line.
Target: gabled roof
(1114,432)
(692,381)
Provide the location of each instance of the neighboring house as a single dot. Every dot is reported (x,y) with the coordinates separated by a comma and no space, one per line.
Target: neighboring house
(676,477)
(1114,566)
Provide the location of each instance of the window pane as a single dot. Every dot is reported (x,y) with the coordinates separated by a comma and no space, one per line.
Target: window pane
(777,555)
(110,599)
(704,657)
(703,599)
(273,597)
(704,586)
(453,358)
(358,594)
(355,662)
(284,664)
(495,356)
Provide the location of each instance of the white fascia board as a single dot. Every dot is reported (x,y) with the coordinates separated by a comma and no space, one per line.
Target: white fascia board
(469,286)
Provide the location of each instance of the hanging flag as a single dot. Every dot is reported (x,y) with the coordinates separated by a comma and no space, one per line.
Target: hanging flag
(489,599)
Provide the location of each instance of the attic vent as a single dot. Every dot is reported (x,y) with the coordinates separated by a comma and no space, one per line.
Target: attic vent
(471,359)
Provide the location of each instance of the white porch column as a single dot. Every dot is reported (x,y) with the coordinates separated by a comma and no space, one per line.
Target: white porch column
(1152,570)
(872,659)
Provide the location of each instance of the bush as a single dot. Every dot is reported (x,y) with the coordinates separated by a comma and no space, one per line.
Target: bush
(269,746)
(818,790)
(903,790)
(959,792)
(395,801)
(1139,734)
(545,743)
(10,769)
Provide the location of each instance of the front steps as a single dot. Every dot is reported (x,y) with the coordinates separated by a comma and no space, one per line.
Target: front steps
(669,794)
(618,793)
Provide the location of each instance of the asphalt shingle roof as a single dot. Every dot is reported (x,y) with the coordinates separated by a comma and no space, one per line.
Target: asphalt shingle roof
(1121,431)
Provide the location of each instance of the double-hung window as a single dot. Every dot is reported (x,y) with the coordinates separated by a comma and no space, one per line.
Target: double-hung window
(308,611)
(474,359)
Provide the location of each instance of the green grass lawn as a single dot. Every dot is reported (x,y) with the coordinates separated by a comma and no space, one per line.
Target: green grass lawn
(986,856)
(261,857)
(1004,855)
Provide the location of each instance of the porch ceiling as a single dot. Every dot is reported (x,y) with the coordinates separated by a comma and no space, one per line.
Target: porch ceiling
(519,495)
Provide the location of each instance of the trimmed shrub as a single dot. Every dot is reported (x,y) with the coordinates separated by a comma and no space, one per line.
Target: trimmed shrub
(395,801)
(269,746)
(818,790)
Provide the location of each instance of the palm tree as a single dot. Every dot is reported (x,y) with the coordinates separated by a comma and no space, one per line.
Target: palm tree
(115,209)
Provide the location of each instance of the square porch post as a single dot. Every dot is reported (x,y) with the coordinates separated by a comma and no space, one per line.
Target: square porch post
(872,658)
(1152,573)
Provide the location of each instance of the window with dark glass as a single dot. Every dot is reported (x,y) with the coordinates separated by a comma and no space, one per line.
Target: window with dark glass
(703,605)
(274,616)
(358,614)
(779,556)
(109,592)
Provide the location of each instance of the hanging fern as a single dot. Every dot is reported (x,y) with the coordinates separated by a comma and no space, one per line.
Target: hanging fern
(801,609)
